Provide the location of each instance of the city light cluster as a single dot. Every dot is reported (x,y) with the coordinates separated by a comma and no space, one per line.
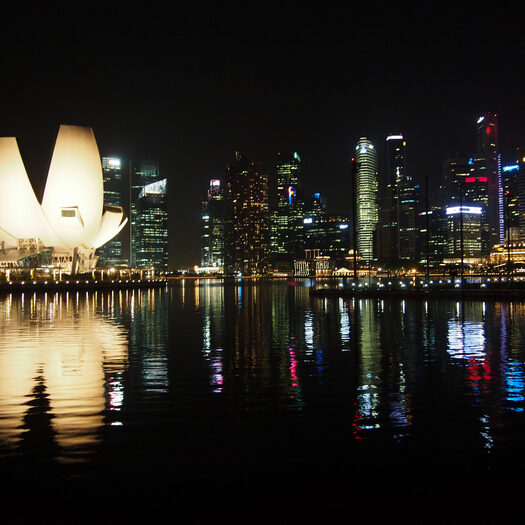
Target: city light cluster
(251,228)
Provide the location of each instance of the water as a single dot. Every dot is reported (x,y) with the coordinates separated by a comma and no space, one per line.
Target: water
(256,403)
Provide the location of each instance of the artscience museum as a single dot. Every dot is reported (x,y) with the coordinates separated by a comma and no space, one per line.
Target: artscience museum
(71,222)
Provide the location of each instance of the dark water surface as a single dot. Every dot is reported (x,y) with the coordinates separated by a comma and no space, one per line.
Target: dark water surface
(256,403)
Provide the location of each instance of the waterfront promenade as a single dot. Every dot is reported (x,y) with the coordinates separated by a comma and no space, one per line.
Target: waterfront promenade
(78,284)
(483,289)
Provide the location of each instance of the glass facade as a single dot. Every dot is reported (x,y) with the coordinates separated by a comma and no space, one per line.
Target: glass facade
(490,167)
(144,173)
(366,198)
(151,226)
(116,178)
(286,217)
(212,226)
(397,234)
(247,219)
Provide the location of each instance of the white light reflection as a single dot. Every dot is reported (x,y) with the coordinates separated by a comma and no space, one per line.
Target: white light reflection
(309,332)
(345,325)
(466,340)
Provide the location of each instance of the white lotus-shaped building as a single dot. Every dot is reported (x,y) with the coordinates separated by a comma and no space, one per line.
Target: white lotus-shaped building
(72,221)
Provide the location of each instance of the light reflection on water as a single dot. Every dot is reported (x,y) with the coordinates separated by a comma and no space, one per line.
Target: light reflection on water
(88,371)
(58,353)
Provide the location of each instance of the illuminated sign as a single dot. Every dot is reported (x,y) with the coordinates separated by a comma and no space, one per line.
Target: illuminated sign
(343,226)
(483,179)
(480,119)
(215,182)
(470,179)
(476,210)
(115,163)
(155,188)
(514,167)
(395,137)
(308,220)
(291,194)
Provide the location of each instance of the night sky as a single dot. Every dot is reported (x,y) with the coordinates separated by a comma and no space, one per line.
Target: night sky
(188,86)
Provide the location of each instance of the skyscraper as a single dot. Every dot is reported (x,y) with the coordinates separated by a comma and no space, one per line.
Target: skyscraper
(247,218)
(463,238)
(397,230)
(511,180)
(143,172)
(116,179)
(285,218)
(490,167)
(366,197)
(151,226)
(212,226)
(465,184)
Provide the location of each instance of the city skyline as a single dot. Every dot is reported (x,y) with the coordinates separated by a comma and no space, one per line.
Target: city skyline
(191,91)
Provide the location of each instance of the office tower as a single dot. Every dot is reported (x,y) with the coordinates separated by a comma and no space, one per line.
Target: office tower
(329,234)
(520,162)
(432,244)
(247,218)
(490,167)
(464,224)
(286,217)
(311,214)
(143,172)
(511,180)
(212,226)
(151,226)
(115,174)
(397,234)
(366,197)
(464,183)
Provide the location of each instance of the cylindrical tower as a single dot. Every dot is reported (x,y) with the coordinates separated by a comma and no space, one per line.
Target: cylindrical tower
(366,197)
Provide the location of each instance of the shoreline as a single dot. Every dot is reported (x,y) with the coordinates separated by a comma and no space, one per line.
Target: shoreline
(448,293)
(77,284)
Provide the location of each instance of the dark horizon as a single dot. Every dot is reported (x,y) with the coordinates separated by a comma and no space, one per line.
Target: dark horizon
(189,89)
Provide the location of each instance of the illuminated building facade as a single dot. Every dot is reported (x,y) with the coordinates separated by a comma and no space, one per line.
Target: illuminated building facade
(465,183)
(72,220)
(247,218)
(143,173)
(464,223)
(489,166)
(366,198)
(151,226)
(511,180)
(520,161)
(397,233)
(212,226)
(328,234)
(287,215)
(116,187)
